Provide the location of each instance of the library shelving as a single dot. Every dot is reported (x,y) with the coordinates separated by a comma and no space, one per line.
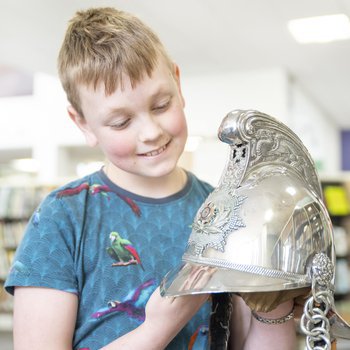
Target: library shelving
(17,203)
(336,194)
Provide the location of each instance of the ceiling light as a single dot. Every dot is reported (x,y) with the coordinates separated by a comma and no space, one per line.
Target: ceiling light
(320,29)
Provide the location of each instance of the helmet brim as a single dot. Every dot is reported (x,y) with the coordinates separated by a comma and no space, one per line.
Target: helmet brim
(193,278)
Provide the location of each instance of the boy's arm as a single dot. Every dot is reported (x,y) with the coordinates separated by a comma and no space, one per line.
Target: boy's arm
(249,333)
(44,318)
(165,317)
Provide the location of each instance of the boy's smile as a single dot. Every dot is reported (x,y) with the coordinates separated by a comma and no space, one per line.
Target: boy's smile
(141,129)
(156,152)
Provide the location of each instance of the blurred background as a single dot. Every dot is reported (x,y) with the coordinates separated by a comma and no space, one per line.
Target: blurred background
(233,54)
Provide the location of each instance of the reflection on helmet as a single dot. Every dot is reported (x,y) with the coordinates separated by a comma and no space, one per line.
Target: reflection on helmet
(264,224)
(265,219)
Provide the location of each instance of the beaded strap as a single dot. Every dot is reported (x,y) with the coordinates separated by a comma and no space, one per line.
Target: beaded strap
(274,321)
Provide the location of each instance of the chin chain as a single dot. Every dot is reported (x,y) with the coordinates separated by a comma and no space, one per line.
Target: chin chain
(314,322)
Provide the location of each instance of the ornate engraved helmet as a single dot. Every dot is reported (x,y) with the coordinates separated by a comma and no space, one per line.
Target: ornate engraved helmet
(264,227)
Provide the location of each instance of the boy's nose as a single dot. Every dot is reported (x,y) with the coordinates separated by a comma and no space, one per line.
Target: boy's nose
(150,129)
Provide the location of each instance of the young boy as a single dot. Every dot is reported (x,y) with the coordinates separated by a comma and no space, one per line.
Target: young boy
(86,273)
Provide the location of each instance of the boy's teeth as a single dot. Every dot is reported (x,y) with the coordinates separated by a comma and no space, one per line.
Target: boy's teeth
(154,153)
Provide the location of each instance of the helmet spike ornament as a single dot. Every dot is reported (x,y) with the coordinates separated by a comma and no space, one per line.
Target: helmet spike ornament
(263,228)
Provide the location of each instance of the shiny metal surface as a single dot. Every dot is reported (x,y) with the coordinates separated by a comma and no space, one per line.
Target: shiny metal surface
(262,225)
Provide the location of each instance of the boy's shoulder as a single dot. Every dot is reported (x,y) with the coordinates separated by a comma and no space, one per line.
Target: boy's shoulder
(72,188)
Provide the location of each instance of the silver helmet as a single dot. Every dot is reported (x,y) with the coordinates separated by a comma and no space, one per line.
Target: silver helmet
(264,227)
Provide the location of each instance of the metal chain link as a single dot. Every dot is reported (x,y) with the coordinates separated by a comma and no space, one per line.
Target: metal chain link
(314,322)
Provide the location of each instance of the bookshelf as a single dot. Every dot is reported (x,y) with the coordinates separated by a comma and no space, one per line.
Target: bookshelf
(21,191)
(336,194)
(17,203)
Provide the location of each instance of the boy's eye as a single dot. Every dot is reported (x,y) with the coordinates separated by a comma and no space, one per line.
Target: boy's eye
(162,106)
(120,125)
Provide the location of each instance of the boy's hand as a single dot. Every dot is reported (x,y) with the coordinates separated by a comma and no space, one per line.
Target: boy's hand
(268,301)
(166,316)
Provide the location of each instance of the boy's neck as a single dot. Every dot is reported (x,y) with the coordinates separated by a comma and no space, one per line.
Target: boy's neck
(152,187)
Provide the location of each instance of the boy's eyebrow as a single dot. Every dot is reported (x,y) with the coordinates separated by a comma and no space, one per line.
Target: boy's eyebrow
(120,111)
(160,93)
(115,112)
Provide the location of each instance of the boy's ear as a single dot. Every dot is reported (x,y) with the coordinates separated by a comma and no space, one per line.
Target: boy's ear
(178,82)
(82,124)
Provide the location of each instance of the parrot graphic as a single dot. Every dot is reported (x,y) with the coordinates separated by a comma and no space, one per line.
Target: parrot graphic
(73,190)
(130,203)
(104,189)
(199,339)
(36,217)
(133,304)
(97,188)
(122,251)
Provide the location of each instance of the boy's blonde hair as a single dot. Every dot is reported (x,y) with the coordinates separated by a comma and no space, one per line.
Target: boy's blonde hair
(101,45)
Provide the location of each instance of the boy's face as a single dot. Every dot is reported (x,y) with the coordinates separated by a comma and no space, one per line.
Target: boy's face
(142,130)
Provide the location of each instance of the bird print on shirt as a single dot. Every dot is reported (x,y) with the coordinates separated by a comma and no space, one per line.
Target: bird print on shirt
(199,339)
(133,304)
(122,251)
(103,190)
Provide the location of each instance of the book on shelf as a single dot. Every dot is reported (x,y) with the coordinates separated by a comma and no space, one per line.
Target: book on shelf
(17,204)
(20,202)
(336,199)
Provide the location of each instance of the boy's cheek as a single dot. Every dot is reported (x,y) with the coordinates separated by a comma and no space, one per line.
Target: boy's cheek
(120,150)
(178,126)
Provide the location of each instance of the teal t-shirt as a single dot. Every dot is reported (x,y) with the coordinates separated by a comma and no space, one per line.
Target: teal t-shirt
(111,248)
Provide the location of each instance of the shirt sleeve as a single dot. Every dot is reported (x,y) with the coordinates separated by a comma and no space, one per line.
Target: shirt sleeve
(45,255)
